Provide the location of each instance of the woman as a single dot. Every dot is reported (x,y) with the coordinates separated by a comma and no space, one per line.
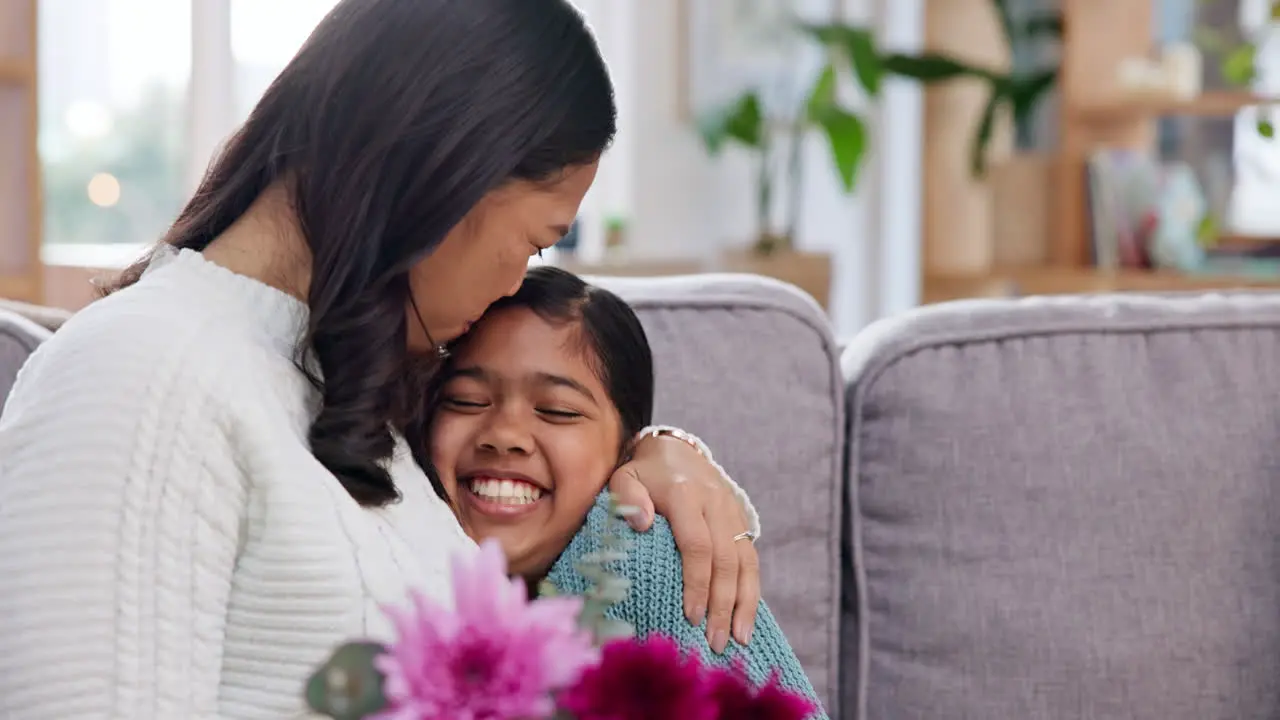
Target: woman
(203,486)
(533,412)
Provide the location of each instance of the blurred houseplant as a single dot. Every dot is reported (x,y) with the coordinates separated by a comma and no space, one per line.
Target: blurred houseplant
(776,142)
(1240,60)
(1019,186)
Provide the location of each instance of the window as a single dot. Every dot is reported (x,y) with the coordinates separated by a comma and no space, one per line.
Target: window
(133,102)
(264,37)
(1253,209)
(112,117)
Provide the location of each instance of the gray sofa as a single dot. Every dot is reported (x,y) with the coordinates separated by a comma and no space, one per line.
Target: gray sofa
(1035,509)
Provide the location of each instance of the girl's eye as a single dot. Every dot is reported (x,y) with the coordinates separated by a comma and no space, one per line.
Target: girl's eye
(462,404)
(559,414)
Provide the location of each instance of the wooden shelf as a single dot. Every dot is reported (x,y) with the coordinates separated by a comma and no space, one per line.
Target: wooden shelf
(1016,282)
(16,71)
(1209,104)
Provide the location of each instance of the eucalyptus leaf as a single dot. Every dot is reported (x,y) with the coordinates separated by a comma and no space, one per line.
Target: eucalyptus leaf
(600,557)
(614,629)
(348,686)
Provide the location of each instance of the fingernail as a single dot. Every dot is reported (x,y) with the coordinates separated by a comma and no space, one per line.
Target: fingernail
(695,615)
(719,641)
(743,633)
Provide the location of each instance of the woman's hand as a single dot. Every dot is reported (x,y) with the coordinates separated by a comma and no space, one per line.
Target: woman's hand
(722,575)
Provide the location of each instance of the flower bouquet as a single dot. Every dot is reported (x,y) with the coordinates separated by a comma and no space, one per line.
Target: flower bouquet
(496,655)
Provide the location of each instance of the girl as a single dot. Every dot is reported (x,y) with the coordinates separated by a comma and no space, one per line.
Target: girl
(534,410)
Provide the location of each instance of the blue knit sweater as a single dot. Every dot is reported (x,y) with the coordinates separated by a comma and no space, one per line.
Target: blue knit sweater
(655,603)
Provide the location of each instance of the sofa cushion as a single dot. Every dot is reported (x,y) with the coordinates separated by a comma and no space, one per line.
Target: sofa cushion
(1067,508)
(18,339)
(749,365)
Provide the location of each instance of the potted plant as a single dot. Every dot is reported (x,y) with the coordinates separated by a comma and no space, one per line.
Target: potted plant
(777,144)
(1020,186)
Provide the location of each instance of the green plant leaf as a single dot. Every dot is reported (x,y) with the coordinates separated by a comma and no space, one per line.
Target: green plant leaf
(1005,15)
(824,33)
(982,138)
(859,46)
(823,95)
(1025,93)
(741,121)
(1238,66)
(1266,128)
(1047,24)
(847,138)
(931,67)
(1207,231)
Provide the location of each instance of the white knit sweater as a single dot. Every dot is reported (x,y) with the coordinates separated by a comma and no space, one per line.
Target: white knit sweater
(169,548)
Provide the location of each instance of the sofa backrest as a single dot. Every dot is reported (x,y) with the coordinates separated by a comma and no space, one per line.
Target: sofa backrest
(19,337)
(749,364)
(1067,508)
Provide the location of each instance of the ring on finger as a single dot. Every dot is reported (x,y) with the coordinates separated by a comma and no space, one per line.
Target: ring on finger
(747,535)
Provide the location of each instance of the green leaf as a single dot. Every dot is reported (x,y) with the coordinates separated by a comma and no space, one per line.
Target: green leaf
(1266,128)
(986,126)
(847,138)
(1049,24)
(1207,231)
(348,686)
(930,67)
(1025,93)
(824,33)
(823,95)
(741,121)
(1238,67)
(859,46)
(1005,15)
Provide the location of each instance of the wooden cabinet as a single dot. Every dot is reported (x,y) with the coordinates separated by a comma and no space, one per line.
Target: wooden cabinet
(20,207)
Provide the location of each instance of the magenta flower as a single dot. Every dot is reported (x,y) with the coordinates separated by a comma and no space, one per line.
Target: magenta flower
(493,656)
(639,680)
(737,699)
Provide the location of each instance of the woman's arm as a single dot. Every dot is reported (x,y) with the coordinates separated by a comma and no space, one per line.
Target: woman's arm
(653,605)
(120,509)
(673,473)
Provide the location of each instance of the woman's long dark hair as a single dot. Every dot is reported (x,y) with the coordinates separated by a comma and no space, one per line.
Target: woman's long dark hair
(395,118)
(612,338)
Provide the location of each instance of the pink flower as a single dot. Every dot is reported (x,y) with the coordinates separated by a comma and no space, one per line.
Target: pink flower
(737,699)
(639,680)
(495,656)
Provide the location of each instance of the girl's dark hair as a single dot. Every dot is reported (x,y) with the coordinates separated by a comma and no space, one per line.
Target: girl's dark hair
(394,119)
(612,338)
